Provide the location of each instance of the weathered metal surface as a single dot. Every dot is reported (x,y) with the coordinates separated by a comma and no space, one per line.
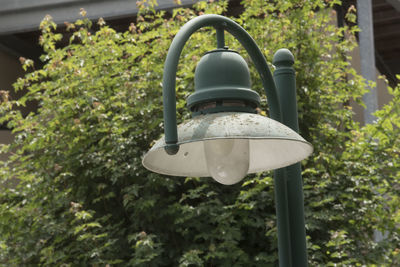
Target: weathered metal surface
(272,145)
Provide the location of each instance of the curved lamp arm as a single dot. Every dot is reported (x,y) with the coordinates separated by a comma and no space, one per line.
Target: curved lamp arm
(171,65)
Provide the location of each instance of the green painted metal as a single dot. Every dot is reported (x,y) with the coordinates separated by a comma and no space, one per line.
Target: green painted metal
(171,65)
(290,177)
(288,183)
(282,218)
(220,108)
(220,37)
(222,74)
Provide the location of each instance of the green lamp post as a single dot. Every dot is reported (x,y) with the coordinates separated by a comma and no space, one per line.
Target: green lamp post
(226,138)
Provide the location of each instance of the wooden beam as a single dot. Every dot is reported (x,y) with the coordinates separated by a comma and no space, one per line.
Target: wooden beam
(24,16)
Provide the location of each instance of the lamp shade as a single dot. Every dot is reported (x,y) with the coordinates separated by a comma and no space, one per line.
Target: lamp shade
(227,145)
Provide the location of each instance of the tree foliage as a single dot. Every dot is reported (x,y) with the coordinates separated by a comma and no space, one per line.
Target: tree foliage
(84,199)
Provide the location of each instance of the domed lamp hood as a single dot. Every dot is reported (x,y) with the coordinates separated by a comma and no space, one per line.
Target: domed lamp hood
(227,146)
(226,138)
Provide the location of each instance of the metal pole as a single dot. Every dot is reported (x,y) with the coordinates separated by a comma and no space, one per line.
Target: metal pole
(285,80)
(220,37)
(282,218)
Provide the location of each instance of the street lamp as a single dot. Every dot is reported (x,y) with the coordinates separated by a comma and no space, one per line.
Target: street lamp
(226,138)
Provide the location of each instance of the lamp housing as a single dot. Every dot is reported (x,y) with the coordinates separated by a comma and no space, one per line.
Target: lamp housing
(222,84)
(226,139)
